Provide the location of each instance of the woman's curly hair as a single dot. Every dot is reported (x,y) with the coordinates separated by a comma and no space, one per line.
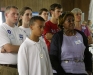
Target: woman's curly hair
(63,17)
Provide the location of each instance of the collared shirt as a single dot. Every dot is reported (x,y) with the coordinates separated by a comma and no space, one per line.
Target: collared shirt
(33,58)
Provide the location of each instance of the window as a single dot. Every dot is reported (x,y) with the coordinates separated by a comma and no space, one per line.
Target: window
(1,18)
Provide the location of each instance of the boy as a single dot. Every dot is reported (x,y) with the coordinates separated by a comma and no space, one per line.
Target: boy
(33,56)
(51,26)
(44,13)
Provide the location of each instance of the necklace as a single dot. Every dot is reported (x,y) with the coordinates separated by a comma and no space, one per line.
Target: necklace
(39,46)
(70,35)
(74,34)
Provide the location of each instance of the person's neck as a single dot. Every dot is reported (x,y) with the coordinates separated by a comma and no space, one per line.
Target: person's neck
(69,32)
(34,38)
(25,25)
(53,20)
(10,24)
(77,24)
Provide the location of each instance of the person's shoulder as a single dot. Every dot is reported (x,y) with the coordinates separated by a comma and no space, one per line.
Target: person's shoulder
(87,27)
(20,30)
(3,26)
(23,47)
(58,33)
(43,45)
(25,44)
(42,40)
(78,31)
(48,22)
(28,42)
(20,26)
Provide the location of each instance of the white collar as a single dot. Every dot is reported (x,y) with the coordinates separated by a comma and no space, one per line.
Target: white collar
(31,41)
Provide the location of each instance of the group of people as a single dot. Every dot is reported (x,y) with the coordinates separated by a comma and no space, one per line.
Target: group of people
(38,46)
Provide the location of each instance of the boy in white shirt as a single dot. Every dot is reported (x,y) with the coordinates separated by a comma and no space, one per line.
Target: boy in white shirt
(33,56)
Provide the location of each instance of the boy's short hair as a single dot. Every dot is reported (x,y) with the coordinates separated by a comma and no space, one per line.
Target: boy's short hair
(9,7)
(41,10)
(55,5)
(35,18)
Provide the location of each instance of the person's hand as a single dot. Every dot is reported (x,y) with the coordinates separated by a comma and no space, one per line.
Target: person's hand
(89,73)
(48,36)
(3,50)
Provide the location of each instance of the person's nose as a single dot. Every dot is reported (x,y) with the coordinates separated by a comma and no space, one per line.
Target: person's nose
(16,15)
(30,16)
(72,21)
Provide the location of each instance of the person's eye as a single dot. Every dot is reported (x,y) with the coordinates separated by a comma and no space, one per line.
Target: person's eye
(17,14)
(73,20)
(68,20)
(13,13)
(27,14)
(43,26)
(40,26)
(31,14)
(47,13)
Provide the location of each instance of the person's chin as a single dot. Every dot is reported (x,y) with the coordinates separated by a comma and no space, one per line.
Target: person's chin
(79,20)
(71,28)
(14,22)
(39,35)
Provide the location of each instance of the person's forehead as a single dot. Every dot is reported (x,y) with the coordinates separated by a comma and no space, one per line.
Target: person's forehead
(13,10)
(45,12)
(70,16)
(78,13)
(28,11)
(56,9)
(38,22)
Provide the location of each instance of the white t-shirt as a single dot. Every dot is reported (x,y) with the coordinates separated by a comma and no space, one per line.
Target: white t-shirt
(12,35)
(33,58)
(26,30)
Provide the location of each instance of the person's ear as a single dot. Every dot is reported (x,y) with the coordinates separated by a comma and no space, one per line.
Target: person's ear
(21,17)
(31,27)
(51,12)
(6,14)
(63,24)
